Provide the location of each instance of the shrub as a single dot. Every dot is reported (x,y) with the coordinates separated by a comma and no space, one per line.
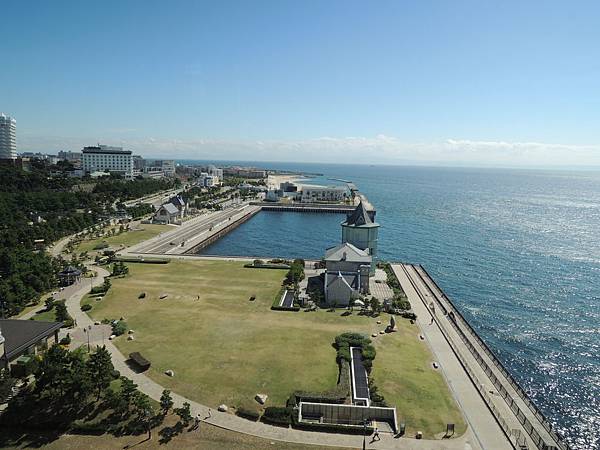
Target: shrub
(258,262)
(142,295)
(66,340)
(86,307)
(401,303)
(246,413)
(115,374)
(119,327)
(101,246)
(49,302)
(277,415)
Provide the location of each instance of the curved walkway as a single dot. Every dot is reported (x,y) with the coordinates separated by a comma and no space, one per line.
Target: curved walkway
(237,424)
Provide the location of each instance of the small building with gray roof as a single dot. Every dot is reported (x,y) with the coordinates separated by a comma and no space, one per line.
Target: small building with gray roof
(346,275)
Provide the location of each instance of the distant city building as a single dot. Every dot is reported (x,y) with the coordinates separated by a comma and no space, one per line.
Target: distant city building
(215,172)
(286,186)
(167,166)
(69,156)
(138,163)
(330,194)
(102,158)
(360,230)
(244,172)
(207,180)
(8,137)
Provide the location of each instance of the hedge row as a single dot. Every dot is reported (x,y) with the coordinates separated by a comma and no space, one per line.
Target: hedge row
(145,260)
(249,414)
(266,266)
(285,308)
(276,415)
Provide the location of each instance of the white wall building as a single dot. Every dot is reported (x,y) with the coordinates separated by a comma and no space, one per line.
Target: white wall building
(102,158)
(8,137)
(331,194)
(166,165)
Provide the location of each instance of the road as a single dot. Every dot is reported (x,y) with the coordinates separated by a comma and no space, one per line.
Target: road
(191,232)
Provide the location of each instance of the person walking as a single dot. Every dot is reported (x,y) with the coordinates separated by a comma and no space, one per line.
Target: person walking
(376,435)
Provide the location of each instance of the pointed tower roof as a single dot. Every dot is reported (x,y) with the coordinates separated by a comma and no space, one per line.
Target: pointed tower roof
(359,217)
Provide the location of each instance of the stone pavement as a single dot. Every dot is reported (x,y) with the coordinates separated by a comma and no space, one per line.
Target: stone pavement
(231,422)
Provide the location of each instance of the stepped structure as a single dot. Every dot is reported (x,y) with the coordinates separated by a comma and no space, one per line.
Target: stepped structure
(360,230)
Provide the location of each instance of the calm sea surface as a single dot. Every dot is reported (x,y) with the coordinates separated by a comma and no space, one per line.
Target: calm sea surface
(518,251)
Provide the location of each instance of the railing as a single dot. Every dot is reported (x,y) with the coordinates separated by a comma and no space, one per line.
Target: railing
(478,385)
(497,383)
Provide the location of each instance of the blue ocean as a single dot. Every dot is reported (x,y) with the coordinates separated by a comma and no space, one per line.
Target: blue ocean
(518,251)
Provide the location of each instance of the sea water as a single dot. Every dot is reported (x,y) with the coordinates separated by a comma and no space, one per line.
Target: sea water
(518,251)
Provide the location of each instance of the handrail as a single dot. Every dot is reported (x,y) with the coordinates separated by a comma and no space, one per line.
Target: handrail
(518,389)
(497,416)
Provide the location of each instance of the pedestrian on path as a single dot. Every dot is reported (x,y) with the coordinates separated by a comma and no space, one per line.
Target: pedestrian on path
(376,435)
(431,323)
(196,422)
(209,414)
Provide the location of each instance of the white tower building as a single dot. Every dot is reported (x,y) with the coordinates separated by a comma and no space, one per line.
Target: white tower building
(8,137)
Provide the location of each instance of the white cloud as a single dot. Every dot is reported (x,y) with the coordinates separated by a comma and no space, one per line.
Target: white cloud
(380,149)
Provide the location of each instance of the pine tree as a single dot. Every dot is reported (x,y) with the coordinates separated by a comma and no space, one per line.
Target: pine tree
(166,402)
(100,368)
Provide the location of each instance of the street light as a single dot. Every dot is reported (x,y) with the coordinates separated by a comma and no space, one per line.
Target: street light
(87,331)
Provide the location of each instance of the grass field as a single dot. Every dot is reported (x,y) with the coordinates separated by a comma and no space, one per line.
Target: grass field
(206,437)
(225,349)
(128,238)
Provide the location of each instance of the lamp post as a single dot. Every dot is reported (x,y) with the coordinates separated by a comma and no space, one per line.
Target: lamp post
(87,331)
(365,434)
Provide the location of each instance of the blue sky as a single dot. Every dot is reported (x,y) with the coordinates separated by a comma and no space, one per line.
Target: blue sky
(457,82)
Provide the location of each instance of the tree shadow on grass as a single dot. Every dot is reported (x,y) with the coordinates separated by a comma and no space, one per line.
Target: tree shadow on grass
(168,433)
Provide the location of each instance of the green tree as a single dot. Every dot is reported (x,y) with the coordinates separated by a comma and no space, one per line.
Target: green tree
(166,402)
(52,375)
(100,368)
(127,392)
(62,315)
(184,413)
(143,412)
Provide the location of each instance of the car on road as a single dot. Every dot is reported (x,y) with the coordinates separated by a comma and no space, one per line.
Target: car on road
(172,243)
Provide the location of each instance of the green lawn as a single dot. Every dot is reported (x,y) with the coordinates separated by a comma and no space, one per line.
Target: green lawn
(45,316)
(225,349)
(128,238)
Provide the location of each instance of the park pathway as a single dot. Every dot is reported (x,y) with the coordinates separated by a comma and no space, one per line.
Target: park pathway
(228,421)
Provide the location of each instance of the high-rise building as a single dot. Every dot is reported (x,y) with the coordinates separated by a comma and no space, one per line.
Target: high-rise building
(8,137)
(102,158)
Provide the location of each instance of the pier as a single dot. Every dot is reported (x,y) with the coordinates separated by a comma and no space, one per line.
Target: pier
(306,207)
(520,420)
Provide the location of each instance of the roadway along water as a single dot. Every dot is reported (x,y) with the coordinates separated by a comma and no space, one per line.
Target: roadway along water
(518,251)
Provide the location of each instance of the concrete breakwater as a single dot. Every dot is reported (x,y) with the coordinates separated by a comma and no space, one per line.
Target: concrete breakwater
(518,417)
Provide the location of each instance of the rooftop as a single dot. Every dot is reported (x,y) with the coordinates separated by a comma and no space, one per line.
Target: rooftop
(347,252)
(360,217)
(21,334)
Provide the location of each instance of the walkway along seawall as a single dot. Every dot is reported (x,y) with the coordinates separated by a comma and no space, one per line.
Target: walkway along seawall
(218,234)
(517,415)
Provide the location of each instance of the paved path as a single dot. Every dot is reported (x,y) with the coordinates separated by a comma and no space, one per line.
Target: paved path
(483,368)
(482,422)
(231,422)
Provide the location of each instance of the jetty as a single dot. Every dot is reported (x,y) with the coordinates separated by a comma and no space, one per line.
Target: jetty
(520,420)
